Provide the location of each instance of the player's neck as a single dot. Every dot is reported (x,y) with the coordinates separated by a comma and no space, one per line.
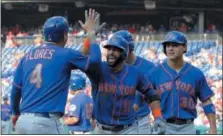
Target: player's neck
(61,44)
(77,92)
(117,68)
(176,64)
(131,58)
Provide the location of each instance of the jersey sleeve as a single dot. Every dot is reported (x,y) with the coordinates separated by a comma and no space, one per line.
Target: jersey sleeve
(139,99)
(150,75)
(83,62)
(18,75)
(204,91)
(16,89)
(75,107)
(145,87)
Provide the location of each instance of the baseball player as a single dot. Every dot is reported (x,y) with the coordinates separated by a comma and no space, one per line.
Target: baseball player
(179,85)
(42,79)
(114,84)
(5,115)
(80,109)
(140,106)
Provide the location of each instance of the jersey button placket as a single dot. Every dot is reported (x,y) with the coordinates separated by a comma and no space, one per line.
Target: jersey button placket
(177,79)
(174,93)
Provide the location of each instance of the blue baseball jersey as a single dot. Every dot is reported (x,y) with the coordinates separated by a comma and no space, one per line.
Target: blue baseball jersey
(43,75)
(144,66)
(114,93)
(81,106)
(179,91)
(5,112)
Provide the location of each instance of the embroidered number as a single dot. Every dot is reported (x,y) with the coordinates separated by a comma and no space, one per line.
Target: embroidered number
(36,77)
(187,103)
(89,110)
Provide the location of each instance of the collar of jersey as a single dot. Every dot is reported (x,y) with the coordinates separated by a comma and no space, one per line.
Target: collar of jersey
(174,72)
(51,44)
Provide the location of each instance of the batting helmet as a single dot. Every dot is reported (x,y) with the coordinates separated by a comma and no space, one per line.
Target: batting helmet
(119,42)
(175,37)
(54,28)
(5,98)
(127,36)
(77,82)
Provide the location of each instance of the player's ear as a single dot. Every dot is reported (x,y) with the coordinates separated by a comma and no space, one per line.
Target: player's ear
(185,48)
(65,35)
(65,38)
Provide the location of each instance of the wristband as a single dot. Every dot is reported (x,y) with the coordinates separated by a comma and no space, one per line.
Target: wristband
(157,113)
(86,42)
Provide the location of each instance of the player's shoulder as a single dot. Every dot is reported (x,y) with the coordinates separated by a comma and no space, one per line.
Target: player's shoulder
(132,69)
(145,61)
(157,68)
(195,70)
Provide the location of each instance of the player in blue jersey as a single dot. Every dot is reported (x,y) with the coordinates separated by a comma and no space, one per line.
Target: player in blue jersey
(80,109)
(114,85)
(42,79)
(140,106)
(5,115)
(179,85)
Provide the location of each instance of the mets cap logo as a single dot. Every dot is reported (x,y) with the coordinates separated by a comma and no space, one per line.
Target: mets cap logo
(113,39)
(170,36)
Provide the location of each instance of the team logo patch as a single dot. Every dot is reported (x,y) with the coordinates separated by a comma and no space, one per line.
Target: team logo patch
(170,36)
(72,107)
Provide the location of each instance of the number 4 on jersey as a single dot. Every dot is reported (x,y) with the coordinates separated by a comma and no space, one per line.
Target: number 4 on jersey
(36,77)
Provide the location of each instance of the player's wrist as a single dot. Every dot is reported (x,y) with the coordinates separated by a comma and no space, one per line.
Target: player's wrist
(157,113)
(91,37)
(86,42)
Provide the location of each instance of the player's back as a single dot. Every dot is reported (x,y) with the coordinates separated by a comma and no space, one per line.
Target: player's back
(83,108)
(144,66)
(45,79)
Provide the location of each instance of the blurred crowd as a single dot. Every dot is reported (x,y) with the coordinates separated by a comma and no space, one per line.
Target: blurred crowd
(8,33)
(209,60)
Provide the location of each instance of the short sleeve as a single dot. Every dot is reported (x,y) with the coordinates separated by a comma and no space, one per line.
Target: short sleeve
(204,91)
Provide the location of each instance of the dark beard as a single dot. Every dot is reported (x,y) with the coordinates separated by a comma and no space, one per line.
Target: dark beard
(117,62)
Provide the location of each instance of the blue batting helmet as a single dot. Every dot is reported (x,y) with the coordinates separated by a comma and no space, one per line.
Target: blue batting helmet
(77,82)
(127,36)
(5,98)
(54,28)
(175,37)
(119,42)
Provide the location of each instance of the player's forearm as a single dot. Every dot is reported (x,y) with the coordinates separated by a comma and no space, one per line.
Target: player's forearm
(209,110)
(212,120)
(15,100)
(94,53)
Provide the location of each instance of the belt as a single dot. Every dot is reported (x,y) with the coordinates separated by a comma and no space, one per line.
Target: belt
(179,121)
(5,119)
(77,132)
(46,114)
(114,128)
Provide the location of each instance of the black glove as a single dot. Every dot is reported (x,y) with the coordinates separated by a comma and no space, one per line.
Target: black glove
(159,126)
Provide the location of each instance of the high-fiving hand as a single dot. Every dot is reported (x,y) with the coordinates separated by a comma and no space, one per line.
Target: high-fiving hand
(92,22)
